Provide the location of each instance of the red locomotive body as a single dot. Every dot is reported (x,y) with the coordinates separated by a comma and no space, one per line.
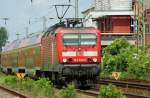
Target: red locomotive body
(78,46)
(59,53)
(79,53)
(72,51)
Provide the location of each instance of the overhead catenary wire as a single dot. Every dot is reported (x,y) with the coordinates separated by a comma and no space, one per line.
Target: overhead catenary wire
(60,17)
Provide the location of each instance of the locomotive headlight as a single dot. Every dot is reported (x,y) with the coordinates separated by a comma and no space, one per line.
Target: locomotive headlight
(64,60)
(95,59)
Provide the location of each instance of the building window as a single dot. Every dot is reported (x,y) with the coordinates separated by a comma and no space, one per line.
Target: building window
(147,28)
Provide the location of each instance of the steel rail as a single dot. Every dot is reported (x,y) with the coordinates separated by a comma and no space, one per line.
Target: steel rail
(88,92)
(126,84)
(13,92)
(134,95)
(94,93)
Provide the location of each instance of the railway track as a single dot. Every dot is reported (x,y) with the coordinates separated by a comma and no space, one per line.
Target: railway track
(137,85)
(123,84)
(14,93)
(129,85)
(92,93)
(129,95)
(95,94)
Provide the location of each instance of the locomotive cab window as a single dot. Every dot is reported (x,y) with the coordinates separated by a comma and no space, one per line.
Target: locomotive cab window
(88,39)
(79,39)
(71,39)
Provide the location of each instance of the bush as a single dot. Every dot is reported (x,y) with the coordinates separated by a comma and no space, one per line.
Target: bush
(110,91)
(68,92)
(117,46)
(41,87)
(27,84)
(128,59)
(11,81)
(44,88)
(116,56)
(139,65)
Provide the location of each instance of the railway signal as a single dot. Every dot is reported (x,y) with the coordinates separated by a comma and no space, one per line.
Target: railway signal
(20,75)
(116,75)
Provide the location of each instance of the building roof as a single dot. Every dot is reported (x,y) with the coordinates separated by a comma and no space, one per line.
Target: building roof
(101,8)
(97,14)
(89,9)
(103,5)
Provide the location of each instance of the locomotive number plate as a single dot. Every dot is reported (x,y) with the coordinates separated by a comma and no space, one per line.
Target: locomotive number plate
(81,60)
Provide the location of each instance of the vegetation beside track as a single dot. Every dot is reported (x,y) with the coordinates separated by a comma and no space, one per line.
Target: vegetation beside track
(43,87)
(39,88)
(132,62)
(110,91)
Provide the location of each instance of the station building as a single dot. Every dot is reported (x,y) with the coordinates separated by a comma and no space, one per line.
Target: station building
(114,18)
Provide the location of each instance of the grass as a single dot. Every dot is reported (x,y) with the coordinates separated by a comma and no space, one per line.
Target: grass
(39,88)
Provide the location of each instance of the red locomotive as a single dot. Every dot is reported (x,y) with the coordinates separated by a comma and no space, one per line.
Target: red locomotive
(60,53)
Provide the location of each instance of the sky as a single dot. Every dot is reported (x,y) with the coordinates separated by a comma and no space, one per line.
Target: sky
(20,12)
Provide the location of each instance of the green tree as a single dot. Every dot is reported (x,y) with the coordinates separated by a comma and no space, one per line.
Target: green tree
(3,37)
(116,55)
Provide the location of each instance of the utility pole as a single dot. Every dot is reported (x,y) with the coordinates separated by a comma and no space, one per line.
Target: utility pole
(76,8)
(143,21)
(27,31)
(139,16)
(76,5)
(18,35)
(5,20)
(44,23)
(31,1)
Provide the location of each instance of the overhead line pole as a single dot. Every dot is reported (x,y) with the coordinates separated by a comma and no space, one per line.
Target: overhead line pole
(44,23)
(18,35)
(5,20)
(139,16)
(76,8)
(27,31)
